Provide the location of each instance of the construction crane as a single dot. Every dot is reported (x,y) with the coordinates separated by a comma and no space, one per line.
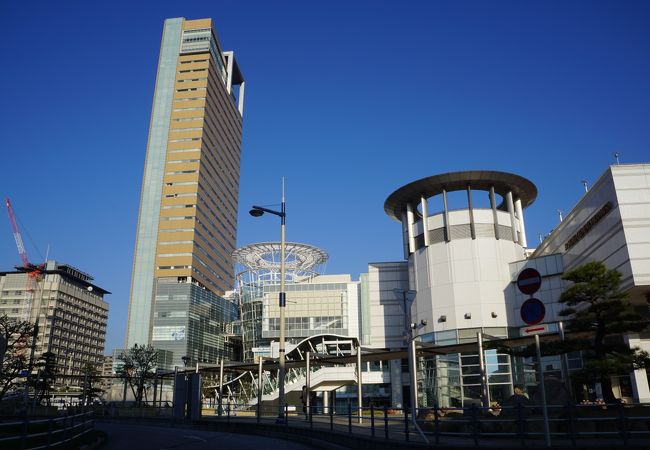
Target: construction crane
(33,271)
(33,274)
(18,238)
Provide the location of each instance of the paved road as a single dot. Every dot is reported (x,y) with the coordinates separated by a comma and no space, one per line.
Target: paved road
(146,437)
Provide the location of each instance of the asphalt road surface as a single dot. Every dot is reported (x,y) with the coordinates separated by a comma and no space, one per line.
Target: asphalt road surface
(146,437)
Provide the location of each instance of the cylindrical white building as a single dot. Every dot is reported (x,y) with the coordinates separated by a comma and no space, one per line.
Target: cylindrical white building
(459,266)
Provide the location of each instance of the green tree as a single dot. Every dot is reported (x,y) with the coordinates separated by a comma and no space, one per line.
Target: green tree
(596,304)
(90,389)
(16,336)
(138,368)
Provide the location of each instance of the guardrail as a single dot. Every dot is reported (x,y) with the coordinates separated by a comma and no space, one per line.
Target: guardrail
(515,426)
(37,433)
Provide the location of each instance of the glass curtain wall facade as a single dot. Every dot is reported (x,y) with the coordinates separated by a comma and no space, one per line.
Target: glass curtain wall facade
(316,309)
(454,380)
(192,321)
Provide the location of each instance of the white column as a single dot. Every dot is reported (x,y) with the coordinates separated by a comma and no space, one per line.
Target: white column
(472,227)
(511,210)
(410,218)
(405,236)
(495,217)
(522,228)
(446,216)
(241,99)
(425,220)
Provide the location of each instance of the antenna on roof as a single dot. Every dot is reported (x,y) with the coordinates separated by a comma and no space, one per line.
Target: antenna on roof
(559,213)
(616,156)
(585,183)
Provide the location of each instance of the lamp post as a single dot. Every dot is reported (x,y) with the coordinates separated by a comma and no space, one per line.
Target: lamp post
(258,211)
(408,297)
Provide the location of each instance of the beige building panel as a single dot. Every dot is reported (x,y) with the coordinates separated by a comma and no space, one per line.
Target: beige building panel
(187,94)
(183,122)
(169,190)
(174,134)
(185,83)
(188,145)
(175,248)
(189,103)
(161,273)
(198,113)
(192,62)
(173,261)
(174,224)
(178,201)
(177,167)
(181,178)
(180,212)
(197,23)
(181,158)
(201,66)
(178,236)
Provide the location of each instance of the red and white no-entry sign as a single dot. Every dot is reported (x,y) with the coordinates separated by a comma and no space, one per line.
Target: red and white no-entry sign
(529,281)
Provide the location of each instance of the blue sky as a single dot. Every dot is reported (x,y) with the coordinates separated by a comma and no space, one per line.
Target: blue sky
(347,100)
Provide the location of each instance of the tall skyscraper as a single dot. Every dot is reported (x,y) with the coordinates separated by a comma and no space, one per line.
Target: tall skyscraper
(188,207)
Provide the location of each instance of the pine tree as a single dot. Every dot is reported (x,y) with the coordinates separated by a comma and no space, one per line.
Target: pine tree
(596,304)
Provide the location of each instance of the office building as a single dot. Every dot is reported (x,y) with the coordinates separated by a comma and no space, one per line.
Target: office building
(71,313)
(610,223)
(462,263)
(188,209)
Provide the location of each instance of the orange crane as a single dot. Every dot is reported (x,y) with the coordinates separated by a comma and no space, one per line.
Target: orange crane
(33,274)
(33,271)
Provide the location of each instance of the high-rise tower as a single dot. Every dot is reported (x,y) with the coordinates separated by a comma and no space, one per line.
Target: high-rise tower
(188,207)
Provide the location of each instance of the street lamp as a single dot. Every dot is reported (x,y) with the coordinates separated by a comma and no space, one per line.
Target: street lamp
(408,297)
(258,211)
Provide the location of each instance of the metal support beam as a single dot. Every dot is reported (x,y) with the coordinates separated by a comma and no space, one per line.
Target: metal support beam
(511,210)
(359,386)
(485,395)
(542,387)
(495,217)
(472,227)
(446,215)
(425,220)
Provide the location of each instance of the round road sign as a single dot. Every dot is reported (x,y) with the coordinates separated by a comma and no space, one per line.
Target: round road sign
(532,311)
(529,281)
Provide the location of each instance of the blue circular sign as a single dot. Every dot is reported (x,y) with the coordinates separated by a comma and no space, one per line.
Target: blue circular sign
(532,311)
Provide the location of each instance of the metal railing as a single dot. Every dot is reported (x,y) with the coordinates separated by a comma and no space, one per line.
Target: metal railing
(37,433)
(515,426)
